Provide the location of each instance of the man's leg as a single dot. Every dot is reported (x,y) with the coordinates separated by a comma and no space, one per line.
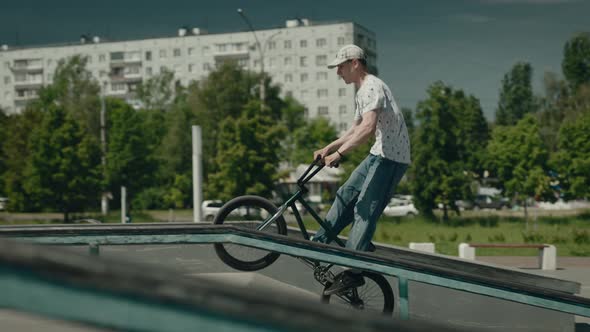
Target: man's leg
(381,180)
(341,213)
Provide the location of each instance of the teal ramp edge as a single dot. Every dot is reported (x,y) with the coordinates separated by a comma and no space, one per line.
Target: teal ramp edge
(123,295)
(498,287)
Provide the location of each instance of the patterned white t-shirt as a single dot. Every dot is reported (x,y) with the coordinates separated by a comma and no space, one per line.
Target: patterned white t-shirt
(391,137)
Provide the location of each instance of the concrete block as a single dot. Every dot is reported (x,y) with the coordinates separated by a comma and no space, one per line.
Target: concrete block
(423,246)
(548,257)
(466,251)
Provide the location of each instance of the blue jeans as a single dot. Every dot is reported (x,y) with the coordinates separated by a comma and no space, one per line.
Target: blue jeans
(362,199)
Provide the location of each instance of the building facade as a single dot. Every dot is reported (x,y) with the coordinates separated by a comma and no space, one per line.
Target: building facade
(294,56)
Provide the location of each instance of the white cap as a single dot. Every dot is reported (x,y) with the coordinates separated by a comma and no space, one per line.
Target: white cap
(347,52)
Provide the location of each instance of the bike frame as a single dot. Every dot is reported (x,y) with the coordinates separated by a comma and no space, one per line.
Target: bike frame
(311,171)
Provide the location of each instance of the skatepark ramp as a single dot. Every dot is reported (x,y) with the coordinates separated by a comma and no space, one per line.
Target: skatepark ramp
(406,265)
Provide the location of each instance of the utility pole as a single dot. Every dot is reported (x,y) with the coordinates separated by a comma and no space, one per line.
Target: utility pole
(104,203)
(262,87)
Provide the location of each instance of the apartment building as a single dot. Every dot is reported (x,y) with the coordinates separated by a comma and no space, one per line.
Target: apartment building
(295,56)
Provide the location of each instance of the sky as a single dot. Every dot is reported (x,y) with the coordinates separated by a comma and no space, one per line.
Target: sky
(468,44)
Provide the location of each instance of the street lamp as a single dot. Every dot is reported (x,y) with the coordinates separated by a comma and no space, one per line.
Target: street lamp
(262,88)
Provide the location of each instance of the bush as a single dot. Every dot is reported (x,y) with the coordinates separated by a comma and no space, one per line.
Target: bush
(149,199)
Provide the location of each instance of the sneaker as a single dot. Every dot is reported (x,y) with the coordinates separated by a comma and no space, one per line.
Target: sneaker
(344,281)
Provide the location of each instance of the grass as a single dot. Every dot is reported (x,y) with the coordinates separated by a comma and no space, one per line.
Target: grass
(571,235)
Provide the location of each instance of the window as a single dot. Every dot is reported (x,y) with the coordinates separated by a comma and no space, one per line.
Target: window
(221,47)
(190,51)
(304,77)
(239,47)
(322,93)
(206,49)
(190,68)
(272,45)
(206,66)
(342,109)
(256,63)
(303,43)
(303,94)
(118,86)
(321,76)
(303,61)
(6,79)
(148,55)
(341,41)
(177,52)
(133,70)
(288,61)
(321,60)
(289,93)
(341,92)
(243,62)
(116,56)
(162,54)
(343,126)
(102,58)
(288,78)
(323,110)
(20,77)
(148,71)
(287,44)
(320,42)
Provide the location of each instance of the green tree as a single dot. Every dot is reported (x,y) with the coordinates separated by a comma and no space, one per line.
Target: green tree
(409,118)
(572,160)
(517,157)
(16,151)
(157,93)
(130,159)
(63,171)
(576,60)
(3,130)
(516,95)
(310,137)
(76,91)
(247,154)
(437,171)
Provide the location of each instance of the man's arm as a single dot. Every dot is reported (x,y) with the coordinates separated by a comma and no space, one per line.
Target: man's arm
(336,143)
(361,133)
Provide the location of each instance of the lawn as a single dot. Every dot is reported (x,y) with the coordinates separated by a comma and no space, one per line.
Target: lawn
(571,235)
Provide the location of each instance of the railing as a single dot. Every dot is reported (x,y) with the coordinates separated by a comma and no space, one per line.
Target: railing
(406,265)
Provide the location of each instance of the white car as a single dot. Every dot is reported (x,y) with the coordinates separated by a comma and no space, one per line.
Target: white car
(209,209)
(400,207)
(3,202)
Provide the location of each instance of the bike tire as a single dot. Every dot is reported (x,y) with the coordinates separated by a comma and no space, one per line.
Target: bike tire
(376,291)
(226,252)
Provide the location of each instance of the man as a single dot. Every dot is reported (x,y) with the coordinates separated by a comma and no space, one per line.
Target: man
(365,194)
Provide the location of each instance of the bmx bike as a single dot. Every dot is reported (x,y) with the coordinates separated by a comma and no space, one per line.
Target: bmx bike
(258,213)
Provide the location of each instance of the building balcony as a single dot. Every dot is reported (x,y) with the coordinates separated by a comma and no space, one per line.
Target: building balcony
(28,84)
(19,66)
(126,78)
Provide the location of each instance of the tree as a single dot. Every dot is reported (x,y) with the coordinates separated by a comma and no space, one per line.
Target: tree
(312,136)
(517,157)
(472,132)
(3,130)
(247,155)
(572,160)
(437,171)
(63,171)
(76,91)
(157,93)
(16,151)
(130,160)
(516,95)
(409,118)
(576,60)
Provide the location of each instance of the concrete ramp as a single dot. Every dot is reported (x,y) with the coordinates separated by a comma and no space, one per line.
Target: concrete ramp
(260,284)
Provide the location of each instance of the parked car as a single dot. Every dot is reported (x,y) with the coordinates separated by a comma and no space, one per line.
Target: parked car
(490,202)
(3,203)
(400,206)
(209,209)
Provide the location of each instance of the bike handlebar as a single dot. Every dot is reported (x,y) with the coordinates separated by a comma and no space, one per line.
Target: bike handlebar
(304,178)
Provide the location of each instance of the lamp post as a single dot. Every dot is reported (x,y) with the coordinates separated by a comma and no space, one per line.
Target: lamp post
(104,204)
(262,87)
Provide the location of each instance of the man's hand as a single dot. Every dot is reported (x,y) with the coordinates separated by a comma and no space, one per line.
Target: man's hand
(332,160)
(321,154)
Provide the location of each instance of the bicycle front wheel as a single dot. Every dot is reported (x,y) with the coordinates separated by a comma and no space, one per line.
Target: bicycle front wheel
(248,212)
(375,295)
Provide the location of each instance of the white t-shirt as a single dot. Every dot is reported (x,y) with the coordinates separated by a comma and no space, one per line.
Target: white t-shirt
(391,137)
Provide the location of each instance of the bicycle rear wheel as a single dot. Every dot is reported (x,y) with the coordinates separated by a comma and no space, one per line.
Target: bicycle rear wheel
(375,295)
(248,212)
